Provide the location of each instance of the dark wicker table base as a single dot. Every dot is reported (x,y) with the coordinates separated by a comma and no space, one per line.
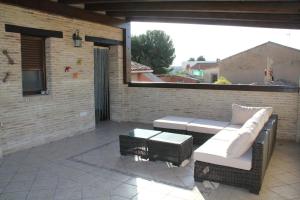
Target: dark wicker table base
(133,146)
(170,152)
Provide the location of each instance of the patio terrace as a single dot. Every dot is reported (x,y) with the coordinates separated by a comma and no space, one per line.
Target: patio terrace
(69,158)
(74,169)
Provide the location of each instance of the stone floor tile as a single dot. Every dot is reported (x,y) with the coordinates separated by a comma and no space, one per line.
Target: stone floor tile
(13,196)
(41,195)
(287,191)
(18,186)
(125,190)
(92,192)
(68,193)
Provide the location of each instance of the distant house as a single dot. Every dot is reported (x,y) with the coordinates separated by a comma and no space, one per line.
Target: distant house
(249,67)
(206,71)
(142,73)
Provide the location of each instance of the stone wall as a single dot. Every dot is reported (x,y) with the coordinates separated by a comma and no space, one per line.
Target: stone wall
(69,107)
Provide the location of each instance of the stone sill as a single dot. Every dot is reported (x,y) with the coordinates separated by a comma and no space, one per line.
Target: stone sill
(205,86)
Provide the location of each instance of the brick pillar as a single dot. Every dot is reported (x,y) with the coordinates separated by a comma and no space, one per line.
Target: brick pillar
(118,90)
(298,121)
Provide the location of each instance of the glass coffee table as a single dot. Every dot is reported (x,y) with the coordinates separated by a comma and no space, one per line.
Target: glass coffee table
(170,147)
(136,142)
(157,145)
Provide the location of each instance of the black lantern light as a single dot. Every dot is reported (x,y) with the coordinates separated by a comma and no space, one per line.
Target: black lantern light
(77,39)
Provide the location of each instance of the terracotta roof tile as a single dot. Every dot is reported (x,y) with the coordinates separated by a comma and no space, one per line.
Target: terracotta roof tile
(140,67)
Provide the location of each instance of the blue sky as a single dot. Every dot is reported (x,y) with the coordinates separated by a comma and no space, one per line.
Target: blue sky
(216,41)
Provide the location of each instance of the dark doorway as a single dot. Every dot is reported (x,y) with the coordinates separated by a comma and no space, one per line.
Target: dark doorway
(101,81)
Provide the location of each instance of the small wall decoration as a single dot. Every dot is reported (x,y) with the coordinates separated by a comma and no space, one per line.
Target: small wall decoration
(79,61)
(68,68)
(10,60)
(5,77)
(75,75)
(77,39)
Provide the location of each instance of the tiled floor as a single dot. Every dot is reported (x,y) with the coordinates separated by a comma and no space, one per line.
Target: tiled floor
(47,172)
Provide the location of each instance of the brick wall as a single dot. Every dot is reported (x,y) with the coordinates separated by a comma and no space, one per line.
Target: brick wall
(146,104)
(69,107)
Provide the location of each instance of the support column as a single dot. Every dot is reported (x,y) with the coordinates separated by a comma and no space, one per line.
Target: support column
(298,120)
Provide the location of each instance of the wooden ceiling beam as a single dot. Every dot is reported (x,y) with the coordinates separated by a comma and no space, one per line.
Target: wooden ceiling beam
(286,25)
(202,6)
(131,1)
(66,11)
(210,15)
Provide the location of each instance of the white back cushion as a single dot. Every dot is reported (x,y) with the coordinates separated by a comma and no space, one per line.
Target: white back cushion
(247,134)
(240,114)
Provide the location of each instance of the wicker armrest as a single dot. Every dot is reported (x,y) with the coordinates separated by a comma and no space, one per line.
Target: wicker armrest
(262,150)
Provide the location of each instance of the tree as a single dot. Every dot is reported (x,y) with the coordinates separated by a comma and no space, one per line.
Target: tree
(191,59)
(200,58)
(154,49)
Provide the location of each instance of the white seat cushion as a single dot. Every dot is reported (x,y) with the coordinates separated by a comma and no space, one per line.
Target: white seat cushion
(232,127)
(206,126)
(247,134)
(215,151)
(173,122)
(240,114)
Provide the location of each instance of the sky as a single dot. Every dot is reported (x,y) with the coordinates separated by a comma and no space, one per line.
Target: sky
(214,42)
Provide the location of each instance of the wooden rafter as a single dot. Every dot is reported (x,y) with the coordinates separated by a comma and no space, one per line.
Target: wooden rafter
(202,6)
(269,24)
(210,15)
(130,1)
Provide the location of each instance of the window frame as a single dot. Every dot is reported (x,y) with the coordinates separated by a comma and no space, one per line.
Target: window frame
(42,69)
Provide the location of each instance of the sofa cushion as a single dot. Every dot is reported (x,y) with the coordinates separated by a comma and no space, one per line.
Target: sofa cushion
(240,114)
(215,151)
(232,127)
(247,134)
(206,126)
(172,122)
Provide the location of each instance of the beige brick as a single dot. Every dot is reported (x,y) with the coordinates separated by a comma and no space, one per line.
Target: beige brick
(35,120)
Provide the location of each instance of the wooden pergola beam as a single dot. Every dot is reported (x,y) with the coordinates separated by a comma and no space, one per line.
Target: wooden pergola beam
(131,1)
(209,16)
(202,6)
(286,25)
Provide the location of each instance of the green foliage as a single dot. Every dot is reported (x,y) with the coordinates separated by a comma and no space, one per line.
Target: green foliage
(154,49)
(222,81)
(191,59)
(201,58)
(180,73)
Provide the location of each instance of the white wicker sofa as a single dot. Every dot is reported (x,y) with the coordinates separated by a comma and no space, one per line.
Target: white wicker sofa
(235,153)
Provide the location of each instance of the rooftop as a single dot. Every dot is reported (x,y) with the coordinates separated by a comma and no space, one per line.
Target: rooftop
(138,67)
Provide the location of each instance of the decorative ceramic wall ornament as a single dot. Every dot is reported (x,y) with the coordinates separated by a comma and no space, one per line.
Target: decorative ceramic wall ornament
(5,77)
(75,75)
(68,68)
(79,61)
(10,60)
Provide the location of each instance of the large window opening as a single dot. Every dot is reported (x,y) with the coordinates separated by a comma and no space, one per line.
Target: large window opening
(209,54)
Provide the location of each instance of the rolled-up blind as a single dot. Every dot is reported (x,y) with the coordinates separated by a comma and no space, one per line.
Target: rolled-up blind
(32,52)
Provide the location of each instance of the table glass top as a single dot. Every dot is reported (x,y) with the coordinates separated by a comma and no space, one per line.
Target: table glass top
(142,133)
(171,138)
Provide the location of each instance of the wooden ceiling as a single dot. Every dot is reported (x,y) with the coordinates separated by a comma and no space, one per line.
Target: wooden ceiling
(262,13)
